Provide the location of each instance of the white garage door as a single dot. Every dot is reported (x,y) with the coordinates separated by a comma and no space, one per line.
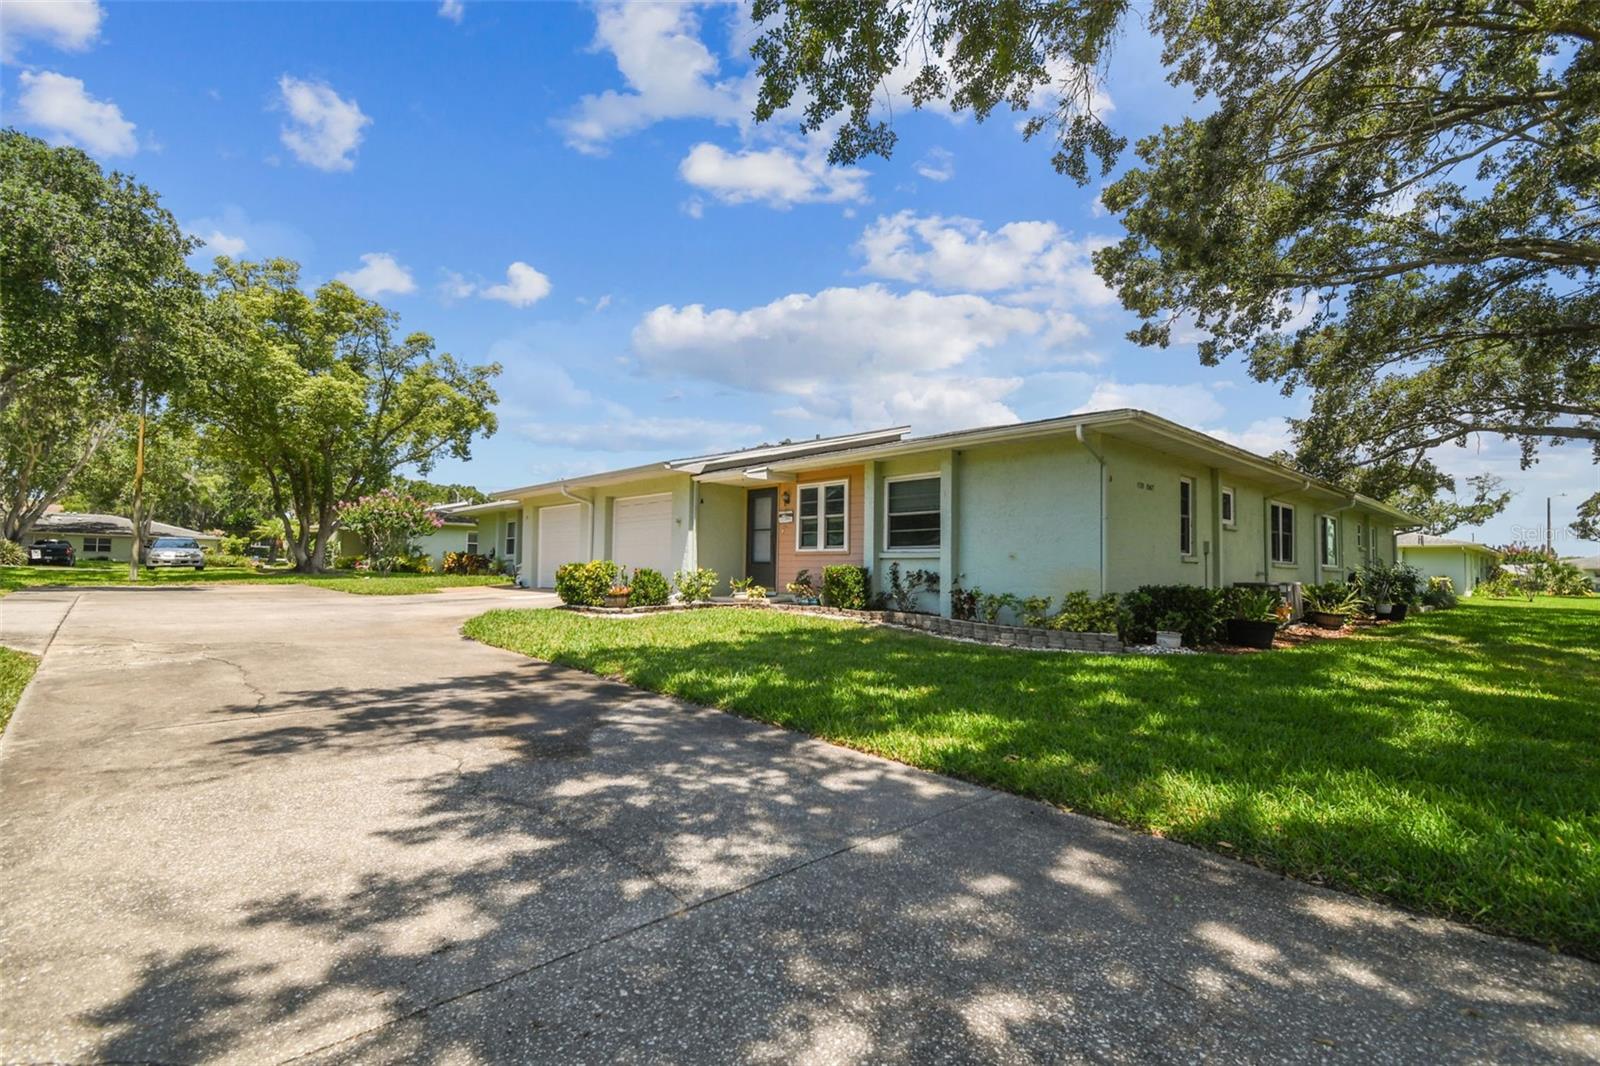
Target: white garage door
(641,532)
(558,541)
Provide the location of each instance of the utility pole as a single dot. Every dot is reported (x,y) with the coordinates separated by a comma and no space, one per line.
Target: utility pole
(1548,549)
(137,548)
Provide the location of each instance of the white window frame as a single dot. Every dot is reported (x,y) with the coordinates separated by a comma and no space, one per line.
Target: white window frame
(1186,521)
(509,536)
(1230,514)
(101,544)
(928,549)
(472,543)
(822,516)
(1361,537)
(1324,523)
(1273,538)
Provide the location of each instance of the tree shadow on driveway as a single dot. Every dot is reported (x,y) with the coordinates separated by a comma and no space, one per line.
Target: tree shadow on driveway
(531,863)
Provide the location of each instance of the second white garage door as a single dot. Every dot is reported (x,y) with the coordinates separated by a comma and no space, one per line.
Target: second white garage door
(558,541)
(641,532)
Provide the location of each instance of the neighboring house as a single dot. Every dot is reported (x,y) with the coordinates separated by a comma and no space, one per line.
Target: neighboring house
(1103,501)
(105,536)
(1589,564)
(1465,562)
(458,534)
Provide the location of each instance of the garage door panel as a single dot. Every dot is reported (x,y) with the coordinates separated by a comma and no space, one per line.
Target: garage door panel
(559,541)
(641,532)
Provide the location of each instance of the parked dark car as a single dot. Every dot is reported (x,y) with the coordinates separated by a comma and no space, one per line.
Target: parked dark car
(51,553)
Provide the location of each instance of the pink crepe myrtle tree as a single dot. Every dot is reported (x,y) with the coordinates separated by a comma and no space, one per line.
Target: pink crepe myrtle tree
(387,521)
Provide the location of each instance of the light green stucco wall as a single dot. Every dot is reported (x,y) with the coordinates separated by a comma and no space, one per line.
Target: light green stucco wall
(1142,518)
(720,532)
(1028,518)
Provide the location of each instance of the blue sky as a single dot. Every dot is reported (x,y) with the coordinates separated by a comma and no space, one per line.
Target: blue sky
(577,192)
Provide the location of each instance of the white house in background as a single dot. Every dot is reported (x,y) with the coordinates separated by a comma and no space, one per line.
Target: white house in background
(105,536)
(1589,564)
(1465,562)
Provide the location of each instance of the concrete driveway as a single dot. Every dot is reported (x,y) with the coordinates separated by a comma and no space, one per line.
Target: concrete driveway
(271,824)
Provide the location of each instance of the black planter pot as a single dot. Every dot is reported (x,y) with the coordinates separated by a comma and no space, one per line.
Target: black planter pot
(1248,634)
(1327,619)
(1397,613)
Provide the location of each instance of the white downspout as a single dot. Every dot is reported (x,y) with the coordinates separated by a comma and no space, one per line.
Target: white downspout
(562,488)
(1101,459)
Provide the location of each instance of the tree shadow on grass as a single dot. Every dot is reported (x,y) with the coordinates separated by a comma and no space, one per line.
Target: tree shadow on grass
(541,865)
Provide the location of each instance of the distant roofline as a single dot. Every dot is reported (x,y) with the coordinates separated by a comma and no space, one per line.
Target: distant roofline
(106,525)
(1427,540)
(830,451)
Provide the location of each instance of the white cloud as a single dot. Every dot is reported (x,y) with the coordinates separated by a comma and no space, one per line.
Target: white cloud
(801,343)
(325,128)
(670,74)
(631,432)
(232,232)
(219,243)
(59,105)
(937,165)
(454,286)
(1263,436)
(1191,405)
(381,273)
(778,177)
(602,303)
(523,287)
(454,10)
(1033,261)
(72,25)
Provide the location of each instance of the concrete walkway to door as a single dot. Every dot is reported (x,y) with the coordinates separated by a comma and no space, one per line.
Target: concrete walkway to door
(250,824)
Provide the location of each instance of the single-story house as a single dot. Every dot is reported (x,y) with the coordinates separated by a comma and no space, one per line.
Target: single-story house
(459,533)
(1465,562)
(1101,502)
(1589,564)
(105,536)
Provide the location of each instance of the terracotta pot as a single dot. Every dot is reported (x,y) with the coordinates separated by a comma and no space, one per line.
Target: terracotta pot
(616,601)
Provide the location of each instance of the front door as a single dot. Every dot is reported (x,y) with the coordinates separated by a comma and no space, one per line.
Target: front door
(761,538)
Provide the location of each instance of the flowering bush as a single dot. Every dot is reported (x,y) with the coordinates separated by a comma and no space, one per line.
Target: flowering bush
(649,588)
(388,521)
(696,585)
(586,584)
(466,563)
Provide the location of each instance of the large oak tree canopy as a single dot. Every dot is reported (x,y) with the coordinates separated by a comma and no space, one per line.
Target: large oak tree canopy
(1391,203)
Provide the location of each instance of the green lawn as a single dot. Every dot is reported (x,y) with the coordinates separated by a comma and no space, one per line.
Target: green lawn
(16,669)
(1450,763)
(18,577)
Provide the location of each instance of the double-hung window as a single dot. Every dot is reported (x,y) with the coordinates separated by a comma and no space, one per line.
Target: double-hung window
(1186,516)
(820,525)
(1328,540)
(511,539)
(1361,538)
(1228,518)
(912,514)
(97,544)
(472,543)
(1281,534)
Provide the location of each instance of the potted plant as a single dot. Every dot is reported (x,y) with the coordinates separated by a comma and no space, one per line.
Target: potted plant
(1169,630)
(802,589)
(1407,591)
(741,587)
(617,595)
(1253,617)
(1329,605)
(1377,583)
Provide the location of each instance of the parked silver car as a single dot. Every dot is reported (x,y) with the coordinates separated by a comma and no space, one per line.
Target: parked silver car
(175,551)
